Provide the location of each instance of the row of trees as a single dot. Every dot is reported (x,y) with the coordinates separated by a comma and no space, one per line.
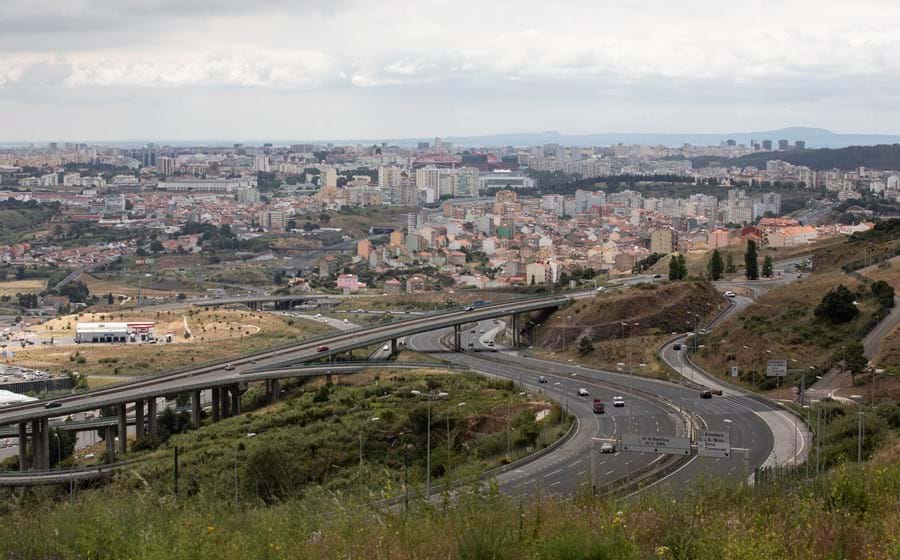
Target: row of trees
(716,267)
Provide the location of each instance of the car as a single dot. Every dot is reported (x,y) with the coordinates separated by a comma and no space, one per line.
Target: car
(600,288)
(253,361)
(705,394)
(618,401)
(717,392)
(323,348)
(607,447)
(229,367)
(318,315)
(730,294)
(490,343)
(676,347)
(472,331)
(599,407)
(53,404)
(346,320)
(582,392)
(386,348)
(657,275)
(471,344)
(470,308)
(542,379)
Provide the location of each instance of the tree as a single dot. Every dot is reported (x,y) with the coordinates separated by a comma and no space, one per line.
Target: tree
(156,246)
(715,267)
(854,358)
(109,299)
(730,267)
(884,293)
(751,264)
(682,267)
(77,291)
(767,266)
(585,346)
(674,269)
(837,306)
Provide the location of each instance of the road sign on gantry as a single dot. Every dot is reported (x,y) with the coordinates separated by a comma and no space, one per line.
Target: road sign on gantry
(713,444)
(656,444)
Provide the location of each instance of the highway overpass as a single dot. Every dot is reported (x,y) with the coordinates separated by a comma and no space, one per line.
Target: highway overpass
(226,383)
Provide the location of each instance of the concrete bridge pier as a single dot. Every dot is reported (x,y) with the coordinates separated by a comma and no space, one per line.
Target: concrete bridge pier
(40,444)
(195,408)
(123,429)
(224,402)
(515,331)
(394,348)
(110,437)
(36,446)
(235,400)
(216,407)
(138,420)
(274,390)
(457,337)
(151,416)
(45,443)
(23,446)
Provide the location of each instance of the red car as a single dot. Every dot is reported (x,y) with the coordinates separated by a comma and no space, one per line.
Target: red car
(322,349)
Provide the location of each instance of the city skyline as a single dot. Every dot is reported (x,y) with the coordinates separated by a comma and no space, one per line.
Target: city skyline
(97,70)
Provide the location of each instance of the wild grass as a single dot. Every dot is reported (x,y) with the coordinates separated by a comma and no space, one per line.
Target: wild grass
(849,513)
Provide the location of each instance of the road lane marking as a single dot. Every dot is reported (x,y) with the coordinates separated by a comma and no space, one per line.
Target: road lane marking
(557,471)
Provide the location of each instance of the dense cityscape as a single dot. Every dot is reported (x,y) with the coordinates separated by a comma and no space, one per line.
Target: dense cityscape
(475,281)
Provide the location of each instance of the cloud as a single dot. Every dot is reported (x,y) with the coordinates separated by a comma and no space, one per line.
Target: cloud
(544,58)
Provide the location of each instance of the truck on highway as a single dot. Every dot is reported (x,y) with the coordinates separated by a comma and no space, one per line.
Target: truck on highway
(598,407)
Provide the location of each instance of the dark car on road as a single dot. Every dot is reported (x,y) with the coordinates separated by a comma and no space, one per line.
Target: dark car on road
(705,395)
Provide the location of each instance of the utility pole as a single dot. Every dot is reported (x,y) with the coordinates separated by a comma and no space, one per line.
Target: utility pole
(859,439)
(175,472)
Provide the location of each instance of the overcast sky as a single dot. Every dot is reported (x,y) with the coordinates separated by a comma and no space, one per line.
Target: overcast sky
(315,69)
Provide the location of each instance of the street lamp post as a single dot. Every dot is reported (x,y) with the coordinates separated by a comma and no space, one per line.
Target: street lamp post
(428,398)
(58,448)
(361,431)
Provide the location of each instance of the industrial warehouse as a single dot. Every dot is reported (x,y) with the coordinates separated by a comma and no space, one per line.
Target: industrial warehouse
(114,332)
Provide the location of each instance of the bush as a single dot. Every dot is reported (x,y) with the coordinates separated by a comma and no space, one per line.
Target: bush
(837,306)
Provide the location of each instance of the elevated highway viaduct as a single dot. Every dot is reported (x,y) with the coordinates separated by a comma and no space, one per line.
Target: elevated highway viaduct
(223,378)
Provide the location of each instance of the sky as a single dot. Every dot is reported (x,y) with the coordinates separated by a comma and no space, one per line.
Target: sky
(269,70)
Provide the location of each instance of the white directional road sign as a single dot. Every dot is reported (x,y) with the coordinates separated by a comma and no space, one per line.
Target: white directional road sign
(776,368)
(713,444)
(734,371)
(656,444)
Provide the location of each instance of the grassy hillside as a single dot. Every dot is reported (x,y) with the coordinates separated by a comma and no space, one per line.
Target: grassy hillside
(860,249)
(782,324)
(849,513)
(310,442)
(659,308)
(18,220)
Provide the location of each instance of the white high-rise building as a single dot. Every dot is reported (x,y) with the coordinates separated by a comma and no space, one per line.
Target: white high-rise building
(261,163)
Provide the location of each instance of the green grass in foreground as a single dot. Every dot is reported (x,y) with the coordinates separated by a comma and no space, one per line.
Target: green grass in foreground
(849,513)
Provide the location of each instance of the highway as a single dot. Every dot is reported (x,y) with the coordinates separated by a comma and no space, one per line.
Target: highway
(652,407)
(564,470)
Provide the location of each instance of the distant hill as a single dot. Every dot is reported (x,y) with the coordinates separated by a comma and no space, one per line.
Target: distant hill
(814,138)
(873,157)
